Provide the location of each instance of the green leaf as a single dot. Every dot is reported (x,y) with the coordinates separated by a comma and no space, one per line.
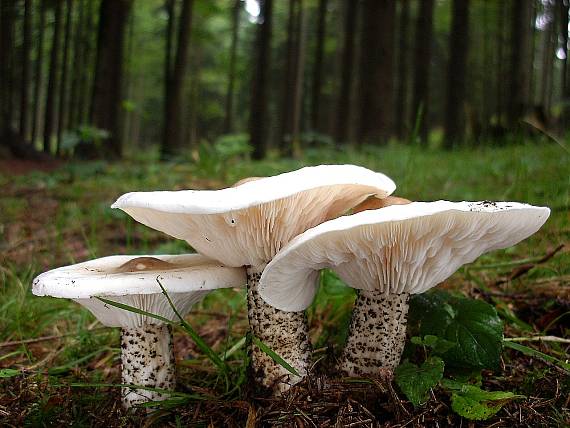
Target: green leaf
(473,326)
(438,344)
(416,381)
(275,356)
(472,402)
(4,373)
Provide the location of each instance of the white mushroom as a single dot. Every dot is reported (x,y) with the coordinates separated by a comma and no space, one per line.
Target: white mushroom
(389,254)
(147,357)
(247,225)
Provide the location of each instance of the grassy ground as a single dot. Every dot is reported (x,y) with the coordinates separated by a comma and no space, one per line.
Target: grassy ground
(66,362)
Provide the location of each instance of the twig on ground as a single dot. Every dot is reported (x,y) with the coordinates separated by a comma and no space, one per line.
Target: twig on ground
(42,339)
(522,270)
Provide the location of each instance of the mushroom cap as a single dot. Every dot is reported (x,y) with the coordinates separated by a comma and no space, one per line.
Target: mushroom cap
(398,249)
(247,224)
(132,280)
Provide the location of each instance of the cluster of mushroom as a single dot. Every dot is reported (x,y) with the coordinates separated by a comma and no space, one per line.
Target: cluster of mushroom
(274,234)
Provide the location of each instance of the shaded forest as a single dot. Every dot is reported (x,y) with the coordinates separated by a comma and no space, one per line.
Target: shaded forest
(104,78)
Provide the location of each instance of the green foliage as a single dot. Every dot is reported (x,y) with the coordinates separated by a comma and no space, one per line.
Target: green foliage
(416,381)
(214,160)
(473,326)
(4,373)
(472,402)
(439,345)
(461,333)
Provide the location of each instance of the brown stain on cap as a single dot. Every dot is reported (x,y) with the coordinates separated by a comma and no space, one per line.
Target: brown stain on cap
(245,180)
(142,264)
(374,203)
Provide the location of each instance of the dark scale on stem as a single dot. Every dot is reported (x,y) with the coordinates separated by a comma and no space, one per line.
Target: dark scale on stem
(286,333)
(377,334)
(147,359)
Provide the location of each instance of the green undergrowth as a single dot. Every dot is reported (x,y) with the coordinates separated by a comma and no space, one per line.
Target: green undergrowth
(461,349)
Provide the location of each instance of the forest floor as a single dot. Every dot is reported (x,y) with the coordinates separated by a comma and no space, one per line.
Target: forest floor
(59,366)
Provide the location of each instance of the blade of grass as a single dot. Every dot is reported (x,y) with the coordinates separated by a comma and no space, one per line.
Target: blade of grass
(64,368)
(213,356)
(537,354)
(274,356)
(135,310)
(233,349)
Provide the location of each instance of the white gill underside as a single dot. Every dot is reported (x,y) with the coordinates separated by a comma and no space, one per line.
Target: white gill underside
(286,333)
(147,359)
(252,236)
(376,336)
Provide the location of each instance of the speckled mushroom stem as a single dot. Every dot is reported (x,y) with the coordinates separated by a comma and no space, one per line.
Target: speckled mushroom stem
(147,359)
(286,333)
(376,336)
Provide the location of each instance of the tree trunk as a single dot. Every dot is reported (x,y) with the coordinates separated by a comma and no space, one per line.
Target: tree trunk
(107,86)
(501,61)
(548,56)
(424,31)
(403,56)
(77,64)
(520,48)
(299,80)
(38,74)
(89,59)
(229,116)
(318,68)
(170,44)
(259,98)
(50,111)
(376,71)
(342,125)
(61,123)
(7,17)
(564,6)
(172,142)
(488,88)
(24,108)
(457,74)
(285,137)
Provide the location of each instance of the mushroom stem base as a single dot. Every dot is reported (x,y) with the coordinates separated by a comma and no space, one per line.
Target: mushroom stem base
(147,359)
(286,333)
(376,336)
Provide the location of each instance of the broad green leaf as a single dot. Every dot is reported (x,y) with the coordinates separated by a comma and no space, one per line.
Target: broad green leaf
(416,381)
(333,285)
(472,402)
(473,326)
(9,373)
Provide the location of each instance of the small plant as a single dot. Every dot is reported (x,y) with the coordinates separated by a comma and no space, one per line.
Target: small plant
(459,337)
(214,160)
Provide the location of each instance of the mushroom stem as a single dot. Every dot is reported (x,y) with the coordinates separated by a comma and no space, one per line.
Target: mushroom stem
(286,333)
(147,359)
(377,334)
